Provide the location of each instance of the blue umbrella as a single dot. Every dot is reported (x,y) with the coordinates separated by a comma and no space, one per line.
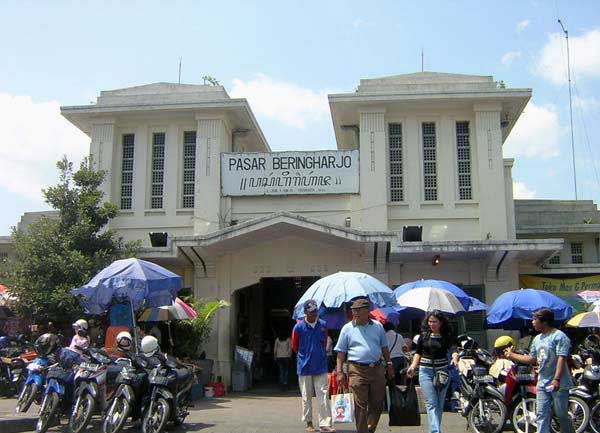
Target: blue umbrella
(340,288)
(129,280)
(512,310)
(470,303)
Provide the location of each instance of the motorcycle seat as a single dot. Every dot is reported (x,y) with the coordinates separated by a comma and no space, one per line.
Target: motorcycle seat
(184,376)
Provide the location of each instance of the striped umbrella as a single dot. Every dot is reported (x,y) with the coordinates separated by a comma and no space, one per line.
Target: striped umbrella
(179,310)
(589,296)
(585,320)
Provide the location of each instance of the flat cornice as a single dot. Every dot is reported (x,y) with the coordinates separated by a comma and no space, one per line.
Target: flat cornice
(470,246)
(96,109)
(558,229)
(374,97)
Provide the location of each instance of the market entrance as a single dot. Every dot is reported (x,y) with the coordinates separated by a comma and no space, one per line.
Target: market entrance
(261,312)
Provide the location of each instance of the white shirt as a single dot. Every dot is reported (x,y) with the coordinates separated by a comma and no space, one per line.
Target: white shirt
(282,349)
(395,349)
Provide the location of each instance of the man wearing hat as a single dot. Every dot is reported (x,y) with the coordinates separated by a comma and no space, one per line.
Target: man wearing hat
(309,340)
(362,342)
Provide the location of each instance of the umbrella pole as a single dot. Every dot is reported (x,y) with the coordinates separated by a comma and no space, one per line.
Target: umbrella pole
(134,327)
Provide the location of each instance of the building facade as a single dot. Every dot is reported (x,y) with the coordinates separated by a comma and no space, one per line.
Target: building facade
(432,196)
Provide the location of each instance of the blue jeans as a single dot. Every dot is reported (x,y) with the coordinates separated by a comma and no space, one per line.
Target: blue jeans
(561,410)
(434,398)
(283,365)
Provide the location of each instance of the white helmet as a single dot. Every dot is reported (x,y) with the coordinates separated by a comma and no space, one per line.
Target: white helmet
(82,324)
(124,341)
(149,345)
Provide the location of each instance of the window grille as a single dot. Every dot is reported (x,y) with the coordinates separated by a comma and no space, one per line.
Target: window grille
(189,168)
(158,170)
(463,153)
(396,172)
(429,161)
(127,171)
(554,260)
(576,252)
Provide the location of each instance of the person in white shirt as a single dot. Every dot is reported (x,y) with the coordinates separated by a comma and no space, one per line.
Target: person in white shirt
(396,346)
(282,352)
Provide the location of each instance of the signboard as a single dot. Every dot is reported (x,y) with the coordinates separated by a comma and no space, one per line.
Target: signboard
(559,286)
(284,173)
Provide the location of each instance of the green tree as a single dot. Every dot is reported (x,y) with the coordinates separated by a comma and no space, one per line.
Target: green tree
(63,250)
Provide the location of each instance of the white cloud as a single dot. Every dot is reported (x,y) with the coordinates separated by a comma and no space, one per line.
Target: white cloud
(359,23)
(586,104)
(35,137)
(536,134)
(585,57)
(283,101)
(510,57)
(522,25)
(521,191)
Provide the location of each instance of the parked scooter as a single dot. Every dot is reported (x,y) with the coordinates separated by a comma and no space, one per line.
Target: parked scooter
(59,390)
(33,390)
(132,383)
(170,386)
(589,381)
(12,364)
(482,403)
(93,388)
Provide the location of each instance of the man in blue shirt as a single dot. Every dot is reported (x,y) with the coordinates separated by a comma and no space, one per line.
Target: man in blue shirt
(549,349)
(309,339)
(362,342)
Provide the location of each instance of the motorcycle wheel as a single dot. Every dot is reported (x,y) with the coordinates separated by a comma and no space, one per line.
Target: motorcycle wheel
(579,412)
(595,418)
(81,413)
(116,415)
(26,397)
(47,411)
(156,421)
(491,420)
(523,417)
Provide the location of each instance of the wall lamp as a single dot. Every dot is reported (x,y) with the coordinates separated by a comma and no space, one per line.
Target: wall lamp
(436,260)
(348,222)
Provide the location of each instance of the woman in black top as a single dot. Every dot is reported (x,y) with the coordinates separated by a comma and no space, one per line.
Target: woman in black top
(431,357)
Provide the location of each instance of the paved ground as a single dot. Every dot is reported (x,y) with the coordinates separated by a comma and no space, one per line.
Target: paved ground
(254,412)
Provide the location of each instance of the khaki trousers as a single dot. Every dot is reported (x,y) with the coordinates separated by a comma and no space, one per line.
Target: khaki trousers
(368,386)
(318,386)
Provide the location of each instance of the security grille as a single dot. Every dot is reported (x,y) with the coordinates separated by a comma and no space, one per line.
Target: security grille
(463,151)
(576,252)
(128,141)
(429,161)
(158,170)
(189,168)
(396,174)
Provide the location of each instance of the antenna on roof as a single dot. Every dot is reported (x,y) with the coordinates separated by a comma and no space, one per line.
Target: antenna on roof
(179,81)
(565,31)
(422,59)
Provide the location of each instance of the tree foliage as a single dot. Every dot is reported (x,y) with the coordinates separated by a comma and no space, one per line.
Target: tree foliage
(64,250)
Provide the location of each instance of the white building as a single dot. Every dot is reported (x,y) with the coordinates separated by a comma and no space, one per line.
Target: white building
(427,152)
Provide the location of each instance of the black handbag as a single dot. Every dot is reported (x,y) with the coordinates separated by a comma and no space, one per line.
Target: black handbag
(404,405)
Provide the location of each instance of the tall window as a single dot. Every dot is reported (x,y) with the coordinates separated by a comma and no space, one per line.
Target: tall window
(396,173)
(127,171)
(429,161)
(158,170)
(576,252)
(463,156)
(189,168)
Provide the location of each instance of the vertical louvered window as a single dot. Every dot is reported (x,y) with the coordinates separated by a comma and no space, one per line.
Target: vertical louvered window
(396,171)
(576,252)
(429,161)
(127,171)
(158,170)
(463,157)
(189,168)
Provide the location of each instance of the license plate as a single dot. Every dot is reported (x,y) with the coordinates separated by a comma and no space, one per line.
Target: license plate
(526,377)
(89,366)
(159,380)
(484,379)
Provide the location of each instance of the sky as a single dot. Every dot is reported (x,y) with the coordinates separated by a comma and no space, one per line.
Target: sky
(285,57)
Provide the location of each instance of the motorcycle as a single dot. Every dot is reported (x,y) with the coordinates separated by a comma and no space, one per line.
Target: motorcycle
(170,387)
(132,383)
(59,390)
(93,388)
(482,404)
(589,383)
(33,388)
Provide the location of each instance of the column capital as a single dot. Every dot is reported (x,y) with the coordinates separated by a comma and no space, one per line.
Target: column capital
(487,106)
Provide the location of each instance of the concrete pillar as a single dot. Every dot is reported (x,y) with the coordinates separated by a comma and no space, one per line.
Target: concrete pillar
(510,203)
(373,170)
(492,197)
